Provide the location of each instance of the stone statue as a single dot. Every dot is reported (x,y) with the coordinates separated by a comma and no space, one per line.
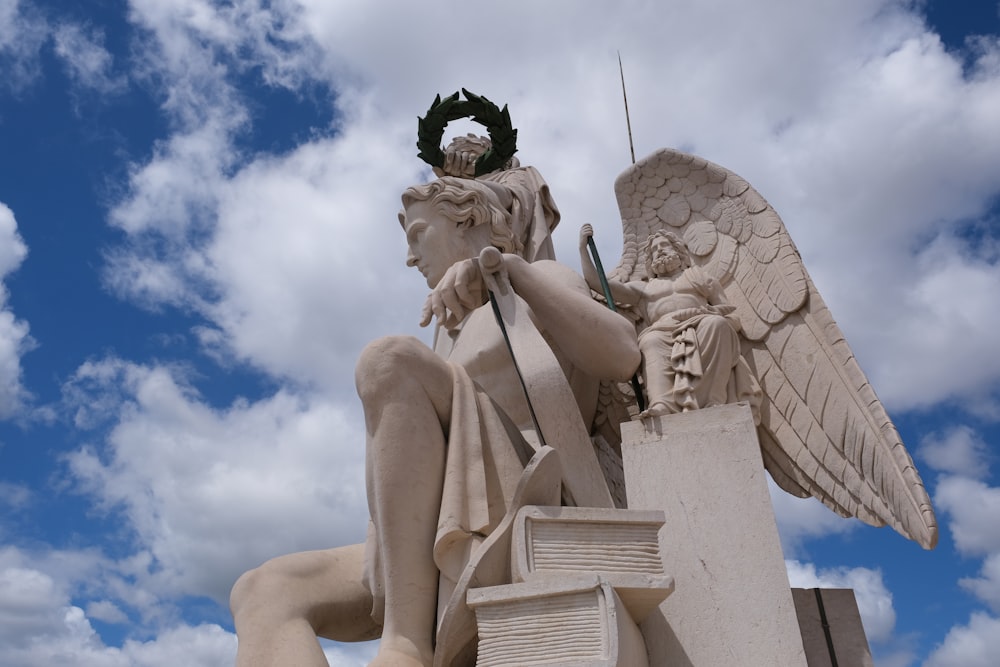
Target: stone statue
(823,432)
(449,430)
(452,446)
(688,338)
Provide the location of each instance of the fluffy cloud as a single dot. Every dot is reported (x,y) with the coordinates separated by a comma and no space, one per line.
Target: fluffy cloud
(986,586)
(961,451)
(976,644)
(973,508)
(14,338)
(845,144)
(800,519)
(211,492)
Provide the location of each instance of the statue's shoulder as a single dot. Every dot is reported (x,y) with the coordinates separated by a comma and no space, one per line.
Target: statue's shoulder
(561,274)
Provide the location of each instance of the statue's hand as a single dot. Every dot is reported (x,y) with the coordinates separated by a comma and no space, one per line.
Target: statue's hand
(460,163)
(459,292)
(586,232)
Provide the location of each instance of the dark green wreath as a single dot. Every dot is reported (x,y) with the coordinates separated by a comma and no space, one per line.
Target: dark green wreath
(430,129)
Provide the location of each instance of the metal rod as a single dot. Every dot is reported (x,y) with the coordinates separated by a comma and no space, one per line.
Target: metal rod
(628,121)
(636,387)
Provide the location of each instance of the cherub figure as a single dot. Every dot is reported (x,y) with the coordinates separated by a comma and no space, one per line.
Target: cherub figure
(688,337)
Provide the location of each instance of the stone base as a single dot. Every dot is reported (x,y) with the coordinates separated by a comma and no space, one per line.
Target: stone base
(569,620)
(732,604)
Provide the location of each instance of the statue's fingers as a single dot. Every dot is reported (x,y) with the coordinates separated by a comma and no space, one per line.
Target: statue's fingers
(453,303)
(426,313)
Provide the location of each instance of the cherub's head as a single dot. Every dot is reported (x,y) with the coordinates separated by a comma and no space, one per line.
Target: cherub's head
(666,254)
(451,219)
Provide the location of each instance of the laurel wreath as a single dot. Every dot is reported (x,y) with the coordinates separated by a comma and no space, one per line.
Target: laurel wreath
(503,136)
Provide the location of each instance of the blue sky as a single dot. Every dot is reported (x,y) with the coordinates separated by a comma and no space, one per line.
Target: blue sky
(198,236)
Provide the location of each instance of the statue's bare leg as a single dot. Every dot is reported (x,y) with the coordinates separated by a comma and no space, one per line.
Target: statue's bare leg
(658,375)
(280,607)
(406,390)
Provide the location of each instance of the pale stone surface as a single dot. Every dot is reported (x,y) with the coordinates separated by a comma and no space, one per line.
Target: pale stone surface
(688,336)
(449,431)
(620,545)
(823,431)
(843,620)
(569,620)
(445,450)
(732,604)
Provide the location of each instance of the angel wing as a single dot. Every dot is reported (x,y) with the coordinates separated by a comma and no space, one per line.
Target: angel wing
(823,430)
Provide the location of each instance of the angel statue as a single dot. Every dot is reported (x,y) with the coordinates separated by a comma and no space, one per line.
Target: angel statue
(688,337)
(823,432)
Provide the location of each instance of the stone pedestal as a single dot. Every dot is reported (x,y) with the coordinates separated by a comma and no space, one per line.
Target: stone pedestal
(732,604)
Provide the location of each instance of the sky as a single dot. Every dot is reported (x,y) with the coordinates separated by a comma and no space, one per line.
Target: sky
(198,236)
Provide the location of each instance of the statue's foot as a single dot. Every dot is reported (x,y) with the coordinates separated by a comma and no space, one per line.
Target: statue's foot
(396,659)
(655,410)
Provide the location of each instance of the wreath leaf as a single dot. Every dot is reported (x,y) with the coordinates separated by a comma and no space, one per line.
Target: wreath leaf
(503,136)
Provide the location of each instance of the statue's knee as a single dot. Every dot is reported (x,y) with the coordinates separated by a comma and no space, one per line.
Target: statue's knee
(244,592)
(258,590)
(385,362)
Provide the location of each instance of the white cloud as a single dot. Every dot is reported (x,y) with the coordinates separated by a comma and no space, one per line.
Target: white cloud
(212,492)
(87,61)
(22,34)
(869,137)
(801,519)
(986,586)
(976,644)
(973,510)
(874,599)
(14,338)
(960,451)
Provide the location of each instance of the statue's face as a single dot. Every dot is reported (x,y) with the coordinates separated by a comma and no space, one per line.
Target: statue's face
(436,243)
(664,257)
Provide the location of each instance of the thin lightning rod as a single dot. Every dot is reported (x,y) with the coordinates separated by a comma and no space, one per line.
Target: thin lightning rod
(628,121)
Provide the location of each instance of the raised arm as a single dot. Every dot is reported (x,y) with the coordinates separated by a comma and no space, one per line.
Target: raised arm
(621,292)
(595,339)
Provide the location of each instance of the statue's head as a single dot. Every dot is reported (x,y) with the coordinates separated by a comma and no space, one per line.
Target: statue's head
(451,219)
(666,254)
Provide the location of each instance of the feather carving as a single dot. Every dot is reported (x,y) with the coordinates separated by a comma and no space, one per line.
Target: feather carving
(823,431)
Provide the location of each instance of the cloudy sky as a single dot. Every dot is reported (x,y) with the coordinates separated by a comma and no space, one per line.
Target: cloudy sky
(198,235)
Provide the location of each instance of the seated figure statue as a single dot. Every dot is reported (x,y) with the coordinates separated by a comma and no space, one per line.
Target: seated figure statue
(444,429)
(688,337)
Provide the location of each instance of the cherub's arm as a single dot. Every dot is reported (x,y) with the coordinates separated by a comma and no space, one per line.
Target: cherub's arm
(624,293)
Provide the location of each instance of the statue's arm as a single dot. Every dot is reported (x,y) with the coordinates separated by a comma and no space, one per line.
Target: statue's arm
(595,339)
(628,294)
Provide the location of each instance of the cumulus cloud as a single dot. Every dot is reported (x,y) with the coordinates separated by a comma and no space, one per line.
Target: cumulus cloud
(800,519)
(960,451)
(212,492)
(975,644)
(986,586)
(14,338)
(871,136)
(973,509)
(874,599)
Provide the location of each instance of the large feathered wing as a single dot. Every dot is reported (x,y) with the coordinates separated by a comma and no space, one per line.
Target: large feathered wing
(823,430)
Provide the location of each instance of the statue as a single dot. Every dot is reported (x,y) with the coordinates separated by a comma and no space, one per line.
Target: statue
(823,432)
(451,439)
(445,449)
(688,338)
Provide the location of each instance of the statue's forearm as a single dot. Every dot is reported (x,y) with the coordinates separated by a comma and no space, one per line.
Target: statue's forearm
(595,339)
